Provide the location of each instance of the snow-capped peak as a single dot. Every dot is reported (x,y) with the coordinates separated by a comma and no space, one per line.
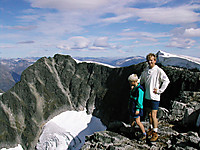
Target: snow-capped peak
(168,59)
(192,59)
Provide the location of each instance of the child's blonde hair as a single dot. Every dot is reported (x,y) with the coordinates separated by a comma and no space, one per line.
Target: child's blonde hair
(133,77)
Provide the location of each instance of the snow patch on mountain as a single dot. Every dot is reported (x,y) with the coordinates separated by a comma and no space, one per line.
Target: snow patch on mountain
(110,66)
(19,147)
(130,61)
(168,59)
(67,131)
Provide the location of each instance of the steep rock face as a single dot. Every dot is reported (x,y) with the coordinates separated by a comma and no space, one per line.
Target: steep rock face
(49,87)
(10,71)
(180,80)
(6,79)
(54,85)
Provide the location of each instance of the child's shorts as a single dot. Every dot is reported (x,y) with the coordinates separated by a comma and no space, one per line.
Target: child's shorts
(152,104)
(136,116)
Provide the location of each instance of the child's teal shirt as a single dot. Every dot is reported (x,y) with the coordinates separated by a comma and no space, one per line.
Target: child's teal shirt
(139,98)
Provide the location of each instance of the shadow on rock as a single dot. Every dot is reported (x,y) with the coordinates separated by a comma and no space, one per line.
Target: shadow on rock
(94,125)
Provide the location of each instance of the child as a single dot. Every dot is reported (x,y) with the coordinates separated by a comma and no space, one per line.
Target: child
(136,103)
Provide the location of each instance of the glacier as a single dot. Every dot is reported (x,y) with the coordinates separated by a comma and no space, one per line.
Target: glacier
(67,131)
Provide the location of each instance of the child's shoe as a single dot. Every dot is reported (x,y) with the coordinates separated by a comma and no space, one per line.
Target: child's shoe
(143,137)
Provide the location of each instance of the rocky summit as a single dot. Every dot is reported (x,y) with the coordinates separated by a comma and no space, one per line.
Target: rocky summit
(54,85)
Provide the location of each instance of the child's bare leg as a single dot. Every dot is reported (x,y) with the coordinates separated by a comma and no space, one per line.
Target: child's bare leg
(140,124)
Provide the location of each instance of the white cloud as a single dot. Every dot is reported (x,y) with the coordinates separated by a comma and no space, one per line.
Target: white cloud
(73,15)
(181,35)
(83,43)
(145,35)
(76,42)
(126,30)
(22,28)
(169,15)
(67,18)
(178,32)
(33,16)
(63,47)
(191,32)
(101,42)
(26,42)
(97,48)
(4,46)
(119,18)
(121,51)
(59,24)
(79,14)
(181,43)
(69,4)
(12,36)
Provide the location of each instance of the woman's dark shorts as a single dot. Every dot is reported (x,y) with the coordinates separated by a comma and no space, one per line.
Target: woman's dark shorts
(151,104)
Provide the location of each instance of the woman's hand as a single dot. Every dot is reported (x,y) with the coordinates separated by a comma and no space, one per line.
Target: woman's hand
(155,91)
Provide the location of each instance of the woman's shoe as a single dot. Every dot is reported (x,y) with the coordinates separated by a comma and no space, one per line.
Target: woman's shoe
(154,137)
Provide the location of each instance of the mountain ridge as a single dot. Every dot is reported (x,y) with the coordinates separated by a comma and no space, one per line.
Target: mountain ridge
(15,66)
(11,69)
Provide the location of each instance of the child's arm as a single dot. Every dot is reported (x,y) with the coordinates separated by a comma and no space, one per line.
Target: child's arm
(140,99)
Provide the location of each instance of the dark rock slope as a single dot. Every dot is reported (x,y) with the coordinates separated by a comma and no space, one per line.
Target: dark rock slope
(53,85)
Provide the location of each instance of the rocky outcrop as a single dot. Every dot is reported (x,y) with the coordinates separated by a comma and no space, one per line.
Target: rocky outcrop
(178,129)
(168,139)
(53,85)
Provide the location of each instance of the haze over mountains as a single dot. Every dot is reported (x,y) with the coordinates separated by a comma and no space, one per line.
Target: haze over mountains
(11,69)
(116,62)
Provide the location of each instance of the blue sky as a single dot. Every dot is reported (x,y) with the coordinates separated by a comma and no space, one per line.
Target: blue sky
(98,28)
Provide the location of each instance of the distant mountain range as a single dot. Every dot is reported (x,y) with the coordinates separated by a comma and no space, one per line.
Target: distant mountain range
(11,69)
(116,62)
